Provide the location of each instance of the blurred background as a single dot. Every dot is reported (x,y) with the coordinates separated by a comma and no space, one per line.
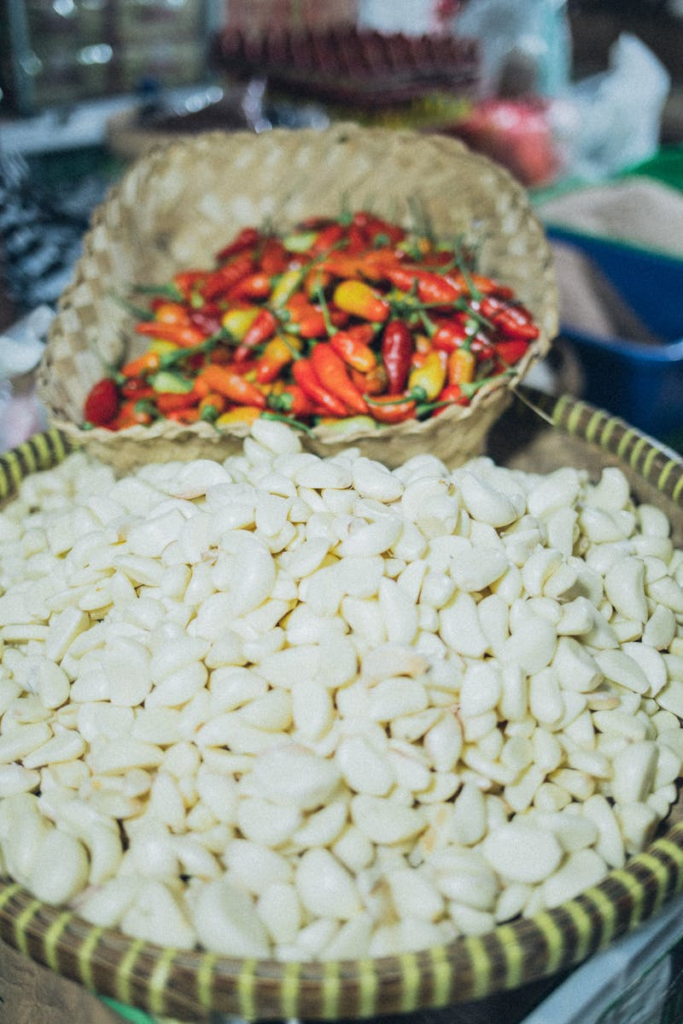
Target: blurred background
(582,101)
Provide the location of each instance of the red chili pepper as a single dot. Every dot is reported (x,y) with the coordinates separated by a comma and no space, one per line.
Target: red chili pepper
(252,286)
(136,387)
(327,238)
(331,371)
(219,282)
(274,258)
(374,226)
(309,382)
(428,286)
(182,335)
(102,403)
(387,409)
(168,402)
(186,281)
(262,328)
(513,321)
(293,399)
(398,346)
(133,413)
(247,238)
(233,386)
(454,395)
(208,319)
(449,335)
(510,352)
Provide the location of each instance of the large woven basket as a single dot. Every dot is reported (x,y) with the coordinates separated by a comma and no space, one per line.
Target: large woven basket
(180,203)
(190,986)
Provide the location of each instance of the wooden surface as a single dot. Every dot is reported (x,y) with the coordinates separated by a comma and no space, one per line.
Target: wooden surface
(32,994)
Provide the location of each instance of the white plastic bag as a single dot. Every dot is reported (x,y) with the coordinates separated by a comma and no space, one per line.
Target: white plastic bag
(618,112)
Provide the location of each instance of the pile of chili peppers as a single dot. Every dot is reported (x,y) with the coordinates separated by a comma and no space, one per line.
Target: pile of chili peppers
(347,317)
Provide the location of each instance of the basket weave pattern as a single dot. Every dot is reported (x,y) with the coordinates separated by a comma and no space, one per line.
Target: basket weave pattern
(179,204)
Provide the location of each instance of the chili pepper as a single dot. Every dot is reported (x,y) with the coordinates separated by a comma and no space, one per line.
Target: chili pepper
(189,415)
(133,413)
(238,321)
(449,335)
(277,354)
(169,402)
(353,351)
(102,403)
(186,282)
(274,258)
(159,359)
(252,286)
(180,334)
(427,380)
(233,386)
(211,406)
(171,313)
(328,237)
(293,399)
(512,321)
(361,300)
(305,319)
(398,346)
(246,238)
(510,352)
(219,282)
(386,409)
(285,287)
(461,366)
(429,287)
(374,382)
(240,414)
(374,226)
(136,387)
(310,384)
(148,362)
(259,331)
(168,382)
(452,394)
(331,371)
(208,319)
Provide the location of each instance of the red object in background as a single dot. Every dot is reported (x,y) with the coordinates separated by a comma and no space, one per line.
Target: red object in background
(515,132)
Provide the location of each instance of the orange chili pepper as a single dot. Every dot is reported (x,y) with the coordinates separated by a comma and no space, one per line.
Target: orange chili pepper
(462,363)
(331,371)
(171,313)
(387,409)
(180,334)
(309,382)
(355,352)
(233,386)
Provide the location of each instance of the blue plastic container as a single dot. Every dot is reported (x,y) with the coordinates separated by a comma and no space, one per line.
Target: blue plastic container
(641,382)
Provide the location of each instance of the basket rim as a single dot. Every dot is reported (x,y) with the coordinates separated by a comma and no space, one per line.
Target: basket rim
(183,983)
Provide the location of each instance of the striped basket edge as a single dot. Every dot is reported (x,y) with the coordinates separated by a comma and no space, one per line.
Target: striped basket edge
(189,985)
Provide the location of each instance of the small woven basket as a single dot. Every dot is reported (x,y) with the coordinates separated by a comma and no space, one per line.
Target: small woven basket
(180,203)
(463,975)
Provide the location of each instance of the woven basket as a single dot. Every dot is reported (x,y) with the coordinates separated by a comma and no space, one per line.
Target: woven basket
(178,204)
(191,985)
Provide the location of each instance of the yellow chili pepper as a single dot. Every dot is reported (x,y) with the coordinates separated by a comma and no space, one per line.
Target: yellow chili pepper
(242,414)
(426,381)
(238,321)
(360,299)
